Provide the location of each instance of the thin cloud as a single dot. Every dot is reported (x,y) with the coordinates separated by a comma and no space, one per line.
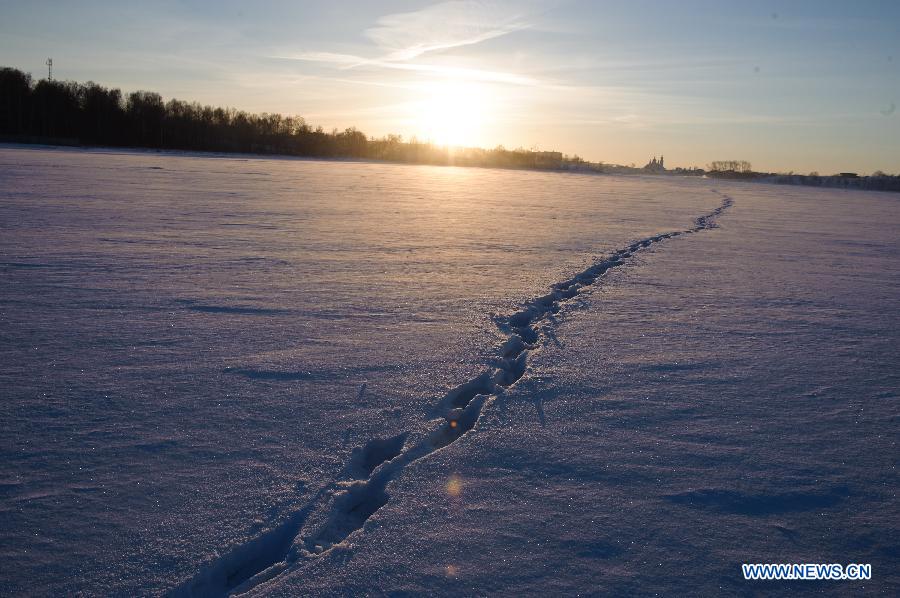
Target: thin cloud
(326,57)
(350,61)
(443,26)
(403,37)
(464,73)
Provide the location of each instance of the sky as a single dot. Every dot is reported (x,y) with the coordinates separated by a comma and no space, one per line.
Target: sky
(789,86)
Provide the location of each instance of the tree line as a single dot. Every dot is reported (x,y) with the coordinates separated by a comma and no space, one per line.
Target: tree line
(87,113)
(729,166)
(741,170)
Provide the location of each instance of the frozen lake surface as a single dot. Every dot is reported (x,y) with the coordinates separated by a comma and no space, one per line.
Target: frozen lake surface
(286,377)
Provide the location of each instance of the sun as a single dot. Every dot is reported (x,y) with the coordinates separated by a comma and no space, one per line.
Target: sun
(453,113)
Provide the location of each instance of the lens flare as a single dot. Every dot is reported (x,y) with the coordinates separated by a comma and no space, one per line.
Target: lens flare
(454,486)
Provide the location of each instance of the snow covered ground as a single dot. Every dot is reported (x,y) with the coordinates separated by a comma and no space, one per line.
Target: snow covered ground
(284,377)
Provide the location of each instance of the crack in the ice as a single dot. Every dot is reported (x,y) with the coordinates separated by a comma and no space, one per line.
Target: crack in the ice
(342,508)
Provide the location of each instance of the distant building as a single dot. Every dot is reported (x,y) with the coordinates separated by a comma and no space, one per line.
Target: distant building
(655,165)
(548,159)
(849,175)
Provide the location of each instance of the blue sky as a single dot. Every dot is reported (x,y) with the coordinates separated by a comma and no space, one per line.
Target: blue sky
(787,85)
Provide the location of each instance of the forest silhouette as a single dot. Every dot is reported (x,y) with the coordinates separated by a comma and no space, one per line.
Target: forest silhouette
(72,113)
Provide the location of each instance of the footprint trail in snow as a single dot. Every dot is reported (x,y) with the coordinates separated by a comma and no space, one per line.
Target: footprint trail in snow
(343,507)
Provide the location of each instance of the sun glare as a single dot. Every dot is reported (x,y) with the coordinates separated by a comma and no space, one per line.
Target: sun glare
(453,113)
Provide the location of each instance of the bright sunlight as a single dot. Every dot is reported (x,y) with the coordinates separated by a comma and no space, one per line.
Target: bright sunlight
(453,113)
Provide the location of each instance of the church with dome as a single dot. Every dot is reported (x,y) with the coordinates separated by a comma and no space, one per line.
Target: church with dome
(655,165)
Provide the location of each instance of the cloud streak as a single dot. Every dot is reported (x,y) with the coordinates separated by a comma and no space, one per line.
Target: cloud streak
(401,38)
(349,61)
(443,26)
